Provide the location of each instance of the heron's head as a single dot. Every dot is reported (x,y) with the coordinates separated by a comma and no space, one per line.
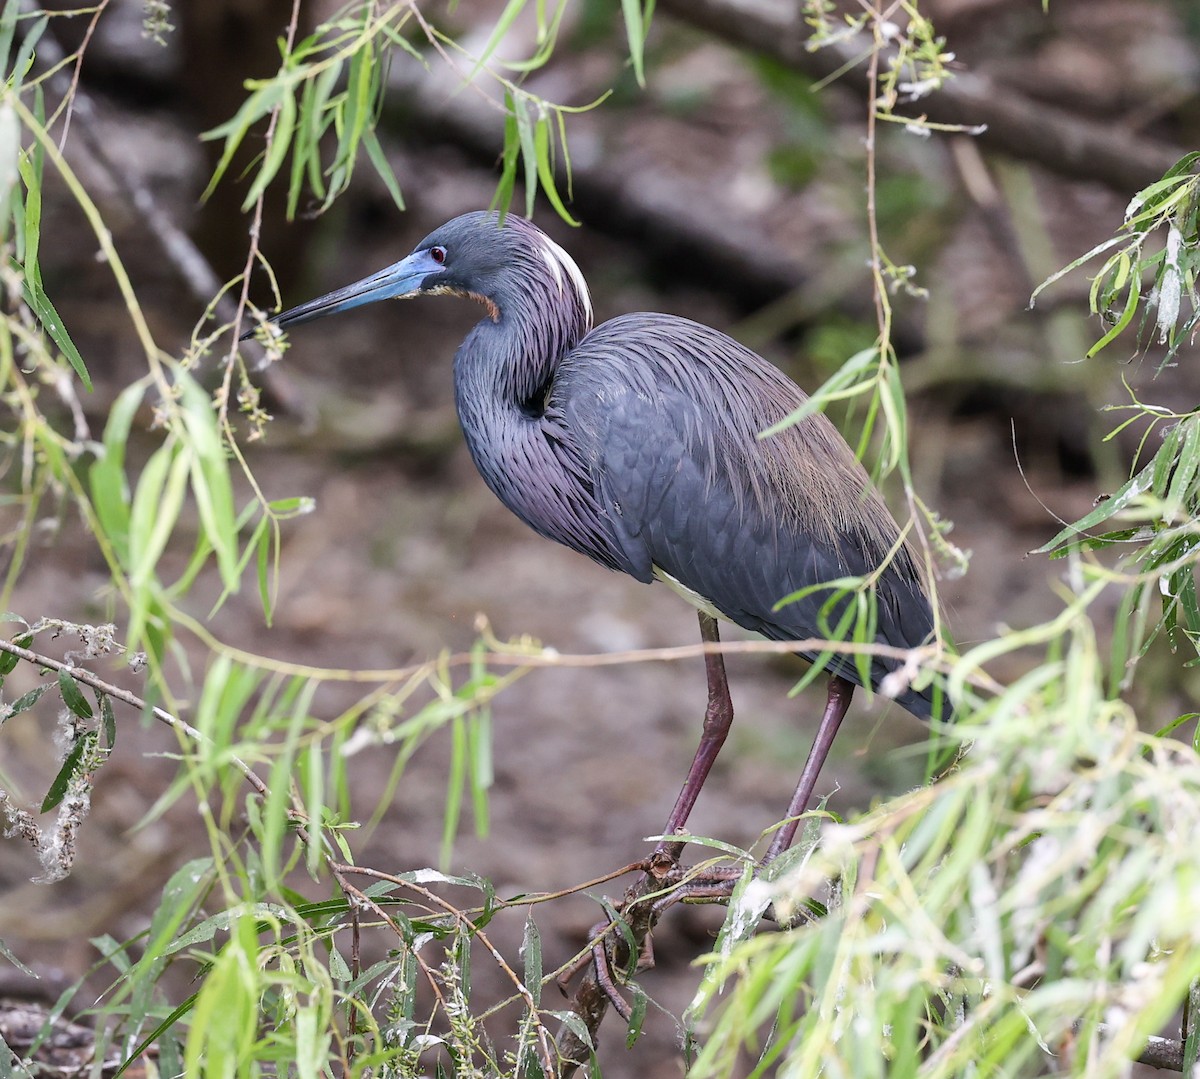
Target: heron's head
(475,255)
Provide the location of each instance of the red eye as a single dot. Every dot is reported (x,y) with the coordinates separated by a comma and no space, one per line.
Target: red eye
(438,254)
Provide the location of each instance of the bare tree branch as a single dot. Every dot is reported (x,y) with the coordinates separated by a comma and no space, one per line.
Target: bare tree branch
(738,253)
(1032,130)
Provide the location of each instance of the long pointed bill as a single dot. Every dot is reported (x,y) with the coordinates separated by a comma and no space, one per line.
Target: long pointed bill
(397,282)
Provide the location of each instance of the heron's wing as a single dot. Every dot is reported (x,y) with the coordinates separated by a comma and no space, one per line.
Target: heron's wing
(672,496)
(670,438)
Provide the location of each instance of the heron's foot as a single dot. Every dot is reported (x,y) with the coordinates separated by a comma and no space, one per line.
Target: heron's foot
(602,960)
(663,883)
(607,936)
(711,884)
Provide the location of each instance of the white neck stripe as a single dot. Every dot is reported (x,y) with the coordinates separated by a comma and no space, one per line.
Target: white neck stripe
(558,260)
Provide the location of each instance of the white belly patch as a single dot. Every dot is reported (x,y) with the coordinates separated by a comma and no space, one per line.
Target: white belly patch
(694,598)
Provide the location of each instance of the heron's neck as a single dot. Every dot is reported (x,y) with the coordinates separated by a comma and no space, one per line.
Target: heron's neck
(503,374)
(507,364)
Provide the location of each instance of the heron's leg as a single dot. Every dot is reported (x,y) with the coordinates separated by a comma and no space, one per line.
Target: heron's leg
(840,692)
(718,717)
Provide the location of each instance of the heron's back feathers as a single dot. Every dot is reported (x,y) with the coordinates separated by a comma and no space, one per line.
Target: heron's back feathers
(665,415)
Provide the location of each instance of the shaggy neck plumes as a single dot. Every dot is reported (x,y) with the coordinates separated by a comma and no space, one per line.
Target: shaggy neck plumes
(503,376)
(541,310)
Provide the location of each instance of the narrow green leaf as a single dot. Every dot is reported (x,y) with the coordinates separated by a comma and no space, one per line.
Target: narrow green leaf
(106,476)
(1162,197)
(637,23)
(855,376)
(1114,504)
(1184,164)
(157,503)
(304,144)
(8,661)
(1123,320)
(510,155)
(454,789)
(211,483)
(258,105)
(7,954)
(360,102)
(314,801)
(573,1021)
(181,895)
(73,696)
(528,142)
(379,159)
(339,969)
(531,954)
(108,720)
(50,321)
(291,507)
(27,700)
(226,1015)
(277,150)
(156,1036)
(66,773)
(566,153)
(34,293)
(226,688)
(8,25)
(502,26)
(28,51)
(263,541)
(203,932)
(545,168)
(637,1017)
(1112,241)
(479,741)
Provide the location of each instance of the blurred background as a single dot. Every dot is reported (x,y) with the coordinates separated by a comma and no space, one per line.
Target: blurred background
(728,190)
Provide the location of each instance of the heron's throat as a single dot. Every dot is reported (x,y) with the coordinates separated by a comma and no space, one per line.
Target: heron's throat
(488,304)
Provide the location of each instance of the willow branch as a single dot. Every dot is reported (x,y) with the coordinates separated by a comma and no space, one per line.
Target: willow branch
(82,674)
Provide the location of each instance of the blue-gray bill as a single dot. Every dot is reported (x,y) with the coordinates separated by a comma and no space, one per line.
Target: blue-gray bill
(396,282)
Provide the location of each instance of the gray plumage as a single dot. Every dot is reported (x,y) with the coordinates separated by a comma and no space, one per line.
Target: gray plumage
(637,444)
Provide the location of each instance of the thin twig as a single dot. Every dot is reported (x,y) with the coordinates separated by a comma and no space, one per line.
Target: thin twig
(929,655)
(77,70)
(477,934)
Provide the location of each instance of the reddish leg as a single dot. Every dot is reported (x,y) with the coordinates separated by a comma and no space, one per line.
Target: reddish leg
(840,692)
(716,886)
(718,717)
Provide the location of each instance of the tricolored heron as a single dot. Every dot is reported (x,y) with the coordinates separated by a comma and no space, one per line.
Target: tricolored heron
(637,444)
